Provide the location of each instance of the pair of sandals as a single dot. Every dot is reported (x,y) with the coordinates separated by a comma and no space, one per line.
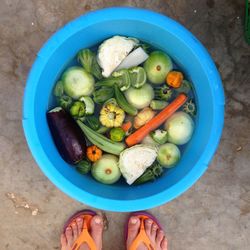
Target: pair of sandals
(85,237)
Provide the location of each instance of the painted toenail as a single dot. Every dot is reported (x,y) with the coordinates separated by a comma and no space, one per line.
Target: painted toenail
(68,228)
(149,221)
(133,221)
(98,220)
(79,219)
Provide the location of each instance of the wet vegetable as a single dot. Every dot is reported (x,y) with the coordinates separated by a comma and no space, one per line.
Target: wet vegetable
(111,115)
(157,66)
(123,74)
(174,79)
(117,134)
(103,94)
(89,105)
(143,117)
(158,104)
(101,141)
(180,128)
(184,88)
(58,89)
(135,58)
(106,169)
(138,76)
(140,98)
(135,160)
(93,122)
(67,136)
(83,167)
(77,110)
(77,82)
(190,108)
(65,102)
(160,136)
(113,51)
(168,155)
(123,103)
(163,93)
(87,58)
(94,153)
(153,172)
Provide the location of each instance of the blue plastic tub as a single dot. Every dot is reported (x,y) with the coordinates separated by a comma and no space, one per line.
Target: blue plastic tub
(162,32)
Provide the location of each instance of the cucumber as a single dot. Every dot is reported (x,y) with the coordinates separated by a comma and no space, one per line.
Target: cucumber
(123,103)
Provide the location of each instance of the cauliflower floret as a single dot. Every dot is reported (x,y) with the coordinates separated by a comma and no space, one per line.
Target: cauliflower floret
(113,51)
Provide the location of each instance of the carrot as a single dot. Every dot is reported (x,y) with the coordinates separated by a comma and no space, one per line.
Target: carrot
(156,121)
(126,126)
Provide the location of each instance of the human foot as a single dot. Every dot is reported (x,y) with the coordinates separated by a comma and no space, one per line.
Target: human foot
(155,234)
(72,233)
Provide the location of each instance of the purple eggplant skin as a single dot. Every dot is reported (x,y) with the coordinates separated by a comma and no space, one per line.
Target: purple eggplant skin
(68,137)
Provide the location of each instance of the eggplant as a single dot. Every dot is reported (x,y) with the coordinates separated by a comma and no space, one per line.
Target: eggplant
(67,135)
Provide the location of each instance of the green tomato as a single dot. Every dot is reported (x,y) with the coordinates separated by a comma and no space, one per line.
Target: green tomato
(168,155)
(140,98)
(157,67)
(180,127)
(106,169)
(77,82)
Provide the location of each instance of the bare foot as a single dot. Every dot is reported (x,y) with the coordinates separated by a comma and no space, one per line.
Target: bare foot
(155,235)
(72,232)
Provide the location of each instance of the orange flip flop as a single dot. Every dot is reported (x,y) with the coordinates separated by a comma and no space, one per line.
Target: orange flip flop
(142,236)
(84,237)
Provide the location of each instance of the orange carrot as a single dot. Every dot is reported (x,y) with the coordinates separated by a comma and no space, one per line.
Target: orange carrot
(126,126)
(156,121)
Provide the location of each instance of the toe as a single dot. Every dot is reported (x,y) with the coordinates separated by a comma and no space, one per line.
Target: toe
(75,231)
(148,227)
(63,241)
(96,226)
(159,236)
(164,244)
(133,229)
(153,231)
(79,222)
(69,236)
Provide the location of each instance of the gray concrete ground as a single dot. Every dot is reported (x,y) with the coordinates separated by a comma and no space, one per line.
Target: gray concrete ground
(213,214)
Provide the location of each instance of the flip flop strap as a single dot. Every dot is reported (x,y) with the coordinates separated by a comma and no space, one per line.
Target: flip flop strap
(84,237)
(142,238)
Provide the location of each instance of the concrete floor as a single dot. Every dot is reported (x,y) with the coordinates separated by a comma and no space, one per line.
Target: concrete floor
(213,214)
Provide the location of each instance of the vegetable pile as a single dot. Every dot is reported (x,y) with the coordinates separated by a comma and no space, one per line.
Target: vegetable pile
(123,111)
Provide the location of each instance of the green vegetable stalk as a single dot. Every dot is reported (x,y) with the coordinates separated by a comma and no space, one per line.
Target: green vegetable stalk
(93,122)
(163,93)
(117,134)
(158,104)
(101,141)
(65,102)
(83,167)
(123,103)
(58,89)
(77,110)
(103,94)
(150,174)
(87,58)
(185,87)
